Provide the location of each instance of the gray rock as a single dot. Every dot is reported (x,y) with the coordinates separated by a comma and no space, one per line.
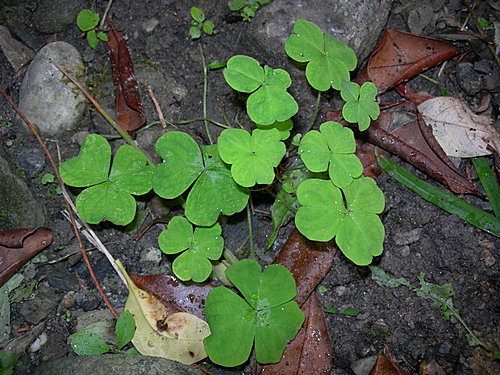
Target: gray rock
(18,206)
(357,23)
(468,79)
(16,53)
(114,364)
(61,278)
(41,306)
(31,160)
(47,98)
(406,238)
(53,16)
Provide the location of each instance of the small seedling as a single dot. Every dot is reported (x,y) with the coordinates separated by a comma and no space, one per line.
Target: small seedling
(267,315)
(198,248)
(199,24)
(247,8)
(109,193)
(87,22)
(5,122)
(268,101)
(53,187)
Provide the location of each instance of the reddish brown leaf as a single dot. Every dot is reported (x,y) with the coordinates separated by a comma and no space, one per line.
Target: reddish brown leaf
(413,142)
(400,56)
(385,365)
(431,368)
(19,246)
(310,352)
(308,261)
(129,114)
(175,294)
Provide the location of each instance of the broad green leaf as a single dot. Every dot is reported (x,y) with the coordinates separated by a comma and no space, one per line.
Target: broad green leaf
(7,362)
(179,337)
(91,166)
(87,20)
(244,73)
(130,171)
(270,104)
(361,106)
(332,148)
(92,39)
(253,157)
(269,314)
(358,231)
(283,127)
(215,192)
(124,329)
(194,32)
(321,209)
(86,342)
(197,14)
(277,77)
(330,60)
(182,164)
(102,36)
(233,330)
(208,27)
(201,245)
(235,5)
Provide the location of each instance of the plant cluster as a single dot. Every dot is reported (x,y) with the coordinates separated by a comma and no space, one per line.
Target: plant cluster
(334,201)
(247,8)
(199,24)
(87,22)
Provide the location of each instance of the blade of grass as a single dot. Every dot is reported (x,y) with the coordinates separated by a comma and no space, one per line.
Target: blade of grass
(447,202)
(489,182)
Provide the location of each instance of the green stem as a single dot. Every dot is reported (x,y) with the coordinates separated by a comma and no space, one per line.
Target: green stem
(184,122)
(205,87)
(315,113)
(250,230)
(489,182)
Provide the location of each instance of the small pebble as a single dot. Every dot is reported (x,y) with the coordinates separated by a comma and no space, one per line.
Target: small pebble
(407,238)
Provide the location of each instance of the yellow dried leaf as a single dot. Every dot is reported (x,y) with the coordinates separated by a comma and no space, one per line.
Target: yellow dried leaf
(178,337)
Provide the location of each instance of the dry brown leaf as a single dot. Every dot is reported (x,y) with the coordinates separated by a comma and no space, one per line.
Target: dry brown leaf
(384,365)
(459,131)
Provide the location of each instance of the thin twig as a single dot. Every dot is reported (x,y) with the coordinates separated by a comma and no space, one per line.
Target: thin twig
(60,182)
(105,14)
(250,230)
(157,107)
(205,88)
(108,118)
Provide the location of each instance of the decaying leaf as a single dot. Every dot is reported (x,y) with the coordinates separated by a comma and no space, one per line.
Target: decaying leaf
(310,352)
(459,131)
(385,365)
(178,336)
(19,246)
(129,114)
(308,261)
(400,56)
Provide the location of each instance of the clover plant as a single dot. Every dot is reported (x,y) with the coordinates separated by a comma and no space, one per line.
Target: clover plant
(87,22)
(252,157)
(109,192)
(247,7)
(266,316)
(360,106)
(283,127)
(198,247)
(268,101)
(199,24)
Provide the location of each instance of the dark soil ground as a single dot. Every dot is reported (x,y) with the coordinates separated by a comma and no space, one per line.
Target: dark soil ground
(420,238)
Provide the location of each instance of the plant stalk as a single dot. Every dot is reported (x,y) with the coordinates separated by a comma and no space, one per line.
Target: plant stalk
(205,88)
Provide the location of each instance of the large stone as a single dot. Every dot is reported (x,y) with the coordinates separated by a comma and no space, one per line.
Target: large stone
(18,206)
(358,23)
(47,98)
(114,364)
(16,53)
(53,16)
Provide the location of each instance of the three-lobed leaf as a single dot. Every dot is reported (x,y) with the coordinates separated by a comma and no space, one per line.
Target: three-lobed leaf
(329,59)
(332,149)
(269,317)
(109,193)
(283,127)
(357,229)
(361,106)
(214,190)
(252,156)
(198,247)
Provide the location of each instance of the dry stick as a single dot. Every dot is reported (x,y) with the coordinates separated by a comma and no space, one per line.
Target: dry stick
(108,118)
(105,14)
(157,107)
(73,224)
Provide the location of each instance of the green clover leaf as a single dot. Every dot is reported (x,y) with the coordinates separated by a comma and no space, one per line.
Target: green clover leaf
(198,247)
(269,101)
(357,229)
(214,190)
(87,20)
(329,59)
(283,127)
(269,317)
(109,193)
(332,149)
(253,157)
(360,105)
